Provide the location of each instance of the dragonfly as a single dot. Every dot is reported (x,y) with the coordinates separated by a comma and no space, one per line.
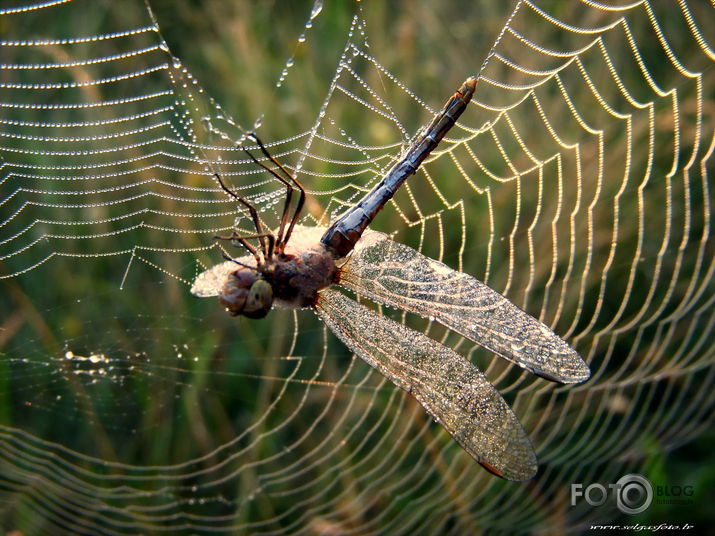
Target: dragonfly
(302,267)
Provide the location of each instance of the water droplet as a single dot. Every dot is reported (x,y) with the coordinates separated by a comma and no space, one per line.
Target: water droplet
(317,8)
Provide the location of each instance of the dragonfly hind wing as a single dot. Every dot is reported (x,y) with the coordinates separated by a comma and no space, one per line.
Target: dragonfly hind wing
(452,390)
(401,277)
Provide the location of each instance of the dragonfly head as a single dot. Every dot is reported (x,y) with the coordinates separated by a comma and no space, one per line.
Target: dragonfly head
(246,293)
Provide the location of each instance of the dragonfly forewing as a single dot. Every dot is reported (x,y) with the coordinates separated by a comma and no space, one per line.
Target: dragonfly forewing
(448,386)
(397,275)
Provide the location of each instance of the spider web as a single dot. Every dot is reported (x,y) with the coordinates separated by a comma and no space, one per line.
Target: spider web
(577,183)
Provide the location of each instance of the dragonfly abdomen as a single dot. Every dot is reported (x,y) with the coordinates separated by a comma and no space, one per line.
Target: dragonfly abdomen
(344,233)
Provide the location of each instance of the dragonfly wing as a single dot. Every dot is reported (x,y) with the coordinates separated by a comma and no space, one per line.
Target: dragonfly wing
(448,386)
(209,283)
(397,275)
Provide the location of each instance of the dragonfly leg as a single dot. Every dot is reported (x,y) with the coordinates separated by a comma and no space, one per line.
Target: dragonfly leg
(261,234)
(241,238)
(289,196)
(283,240)
(235,237)
(229,258)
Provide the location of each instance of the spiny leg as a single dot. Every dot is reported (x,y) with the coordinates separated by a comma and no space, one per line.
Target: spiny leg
(242,239)
(289,192)
(283,240)
(289,196)
(229,258)
(251,249)
(254,217)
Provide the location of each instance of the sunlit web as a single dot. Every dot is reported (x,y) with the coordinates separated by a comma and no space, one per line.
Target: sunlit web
(577,184)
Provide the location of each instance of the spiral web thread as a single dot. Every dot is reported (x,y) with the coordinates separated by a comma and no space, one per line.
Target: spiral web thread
(577,184)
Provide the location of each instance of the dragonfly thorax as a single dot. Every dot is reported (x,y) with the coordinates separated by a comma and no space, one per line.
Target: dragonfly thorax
(297,279)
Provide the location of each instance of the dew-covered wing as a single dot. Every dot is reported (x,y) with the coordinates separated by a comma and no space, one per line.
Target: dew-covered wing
(397,275)
(209,283)
(448,386)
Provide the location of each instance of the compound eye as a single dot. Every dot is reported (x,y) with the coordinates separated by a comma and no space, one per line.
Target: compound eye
(259,299)
(233,296)
(244,277)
